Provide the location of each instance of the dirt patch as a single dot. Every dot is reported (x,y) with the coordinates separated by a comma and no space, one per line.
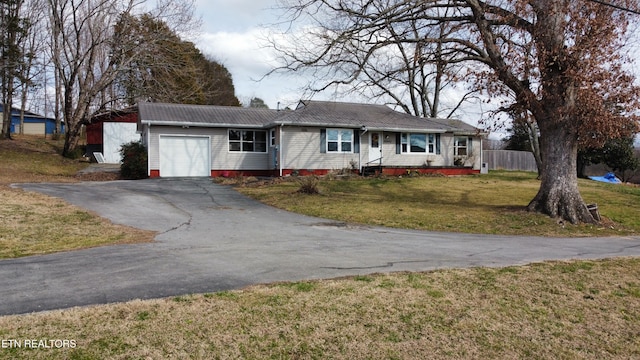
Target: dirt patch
(98,176)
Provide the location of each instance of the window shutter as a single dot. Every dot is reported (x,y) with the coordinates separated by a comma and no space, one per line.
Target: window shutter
(470,146)
(356,141)
(438,144)
(323,140)
(398,143)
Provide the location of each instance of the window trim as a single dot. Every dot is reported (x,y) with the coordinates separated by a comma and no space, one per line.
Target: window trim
(272,137)
(457,147)
(431,147)
(339,141)
(241,141)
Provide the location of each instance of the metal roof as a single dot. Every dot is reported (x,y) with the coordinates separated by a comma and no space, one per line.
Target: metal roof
(205,115)
(308,113)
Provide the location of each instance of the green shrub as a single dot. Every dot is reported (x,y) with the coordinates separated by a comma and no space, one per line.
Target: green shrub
(134,161)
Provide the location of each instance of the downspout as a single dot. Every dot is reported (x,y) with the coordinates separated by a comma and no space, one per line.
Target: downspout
(364,131)
(148,136)
(281,150)
(481,153)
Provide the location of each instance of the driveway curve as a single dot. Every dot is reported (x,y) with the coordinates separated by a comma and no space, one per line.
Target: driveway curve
(211,238)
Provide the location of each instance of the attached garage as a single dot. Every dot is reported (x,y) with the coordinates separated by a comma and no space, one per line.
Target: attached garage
(185,156)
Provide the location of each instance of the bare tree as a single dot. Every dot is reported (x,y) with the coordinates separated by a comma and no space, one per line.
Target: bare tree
(560,60)
(13,29)
(32,47)
(392,62)
(88,54)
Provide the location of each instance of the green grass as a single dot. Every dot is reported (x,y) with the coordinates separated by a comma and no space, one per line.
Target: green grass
(554,310)
(487,204)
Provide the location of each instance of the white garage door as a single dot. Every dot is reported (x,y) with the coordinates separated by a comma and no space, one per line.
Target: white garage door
(184,156)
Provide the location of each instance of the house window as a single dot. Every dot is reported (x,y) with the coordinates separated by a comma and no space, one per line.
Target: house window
(418,143)
(339,140)
(460,146)
(272,137)
(248,141)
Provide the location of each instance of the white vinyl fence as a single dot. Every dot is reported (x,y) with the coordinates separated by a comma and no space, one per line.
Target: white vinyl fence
(509,160)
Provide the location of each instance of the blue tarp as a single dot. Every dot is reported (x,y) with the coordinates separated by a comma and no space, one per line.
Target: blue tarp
(608,178)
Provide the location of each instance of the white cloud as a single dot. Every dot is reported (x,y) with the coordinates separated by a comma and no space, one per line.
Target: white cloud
(249,58)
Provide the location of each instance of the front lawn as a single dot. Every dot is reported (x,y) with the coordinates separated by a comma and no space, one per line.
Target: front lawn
(555,310)
(486,204)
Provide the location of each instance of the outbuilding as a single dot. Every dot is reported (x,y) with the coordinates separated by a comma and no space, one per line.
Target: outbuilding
(33,123)
(108,131)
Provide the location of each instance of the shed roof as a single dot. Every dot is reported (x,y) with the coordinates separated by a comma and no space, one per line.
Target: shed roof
(15,112)
(308,113)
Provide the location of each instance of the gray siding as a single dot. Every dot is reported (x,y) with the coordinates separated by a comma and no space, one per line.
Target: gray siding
(445,158)
(302,151)
(221,157)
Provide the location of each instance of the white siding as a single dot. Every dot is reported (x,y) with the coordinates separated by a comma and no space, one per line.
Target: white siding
(115,135)
(301,147)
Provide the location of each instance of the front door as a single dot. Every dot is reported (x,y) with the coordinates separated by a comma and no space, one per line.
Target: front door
(375,148)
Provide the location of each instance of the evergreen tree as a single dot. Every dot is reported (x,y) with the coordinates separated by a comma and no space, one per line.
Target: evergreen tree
(170,69)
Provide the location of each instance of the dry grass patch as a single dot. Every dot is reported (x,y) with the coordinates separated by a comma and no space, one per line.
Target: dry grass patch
(32,223)
(488,204)
(556,310)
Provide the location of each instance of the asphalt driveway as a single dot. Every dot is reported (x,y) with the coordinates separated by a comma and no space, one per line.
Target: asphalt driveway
(212,238)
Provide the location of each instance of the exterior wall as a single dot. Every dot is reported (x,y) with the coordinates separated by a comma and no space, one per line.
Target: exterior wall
(444,159)
(49,125)
(222,160)
(95,130)
(302,154)
(302,151)
(94,134)
(390,158)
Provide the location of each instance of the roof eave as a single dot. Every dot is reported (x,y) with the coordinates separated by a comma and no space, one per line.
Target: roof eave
(351,126)
(194,124)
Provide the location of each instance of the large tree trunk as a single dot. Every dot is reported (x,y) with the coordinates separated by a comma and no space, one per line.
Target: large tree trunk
(558,195)
(72,137)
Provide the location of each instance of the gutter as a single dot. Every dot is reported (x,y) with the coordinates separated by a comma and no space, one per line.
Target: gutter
(193,124)
(280,149)
(287,123)
(352,126)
